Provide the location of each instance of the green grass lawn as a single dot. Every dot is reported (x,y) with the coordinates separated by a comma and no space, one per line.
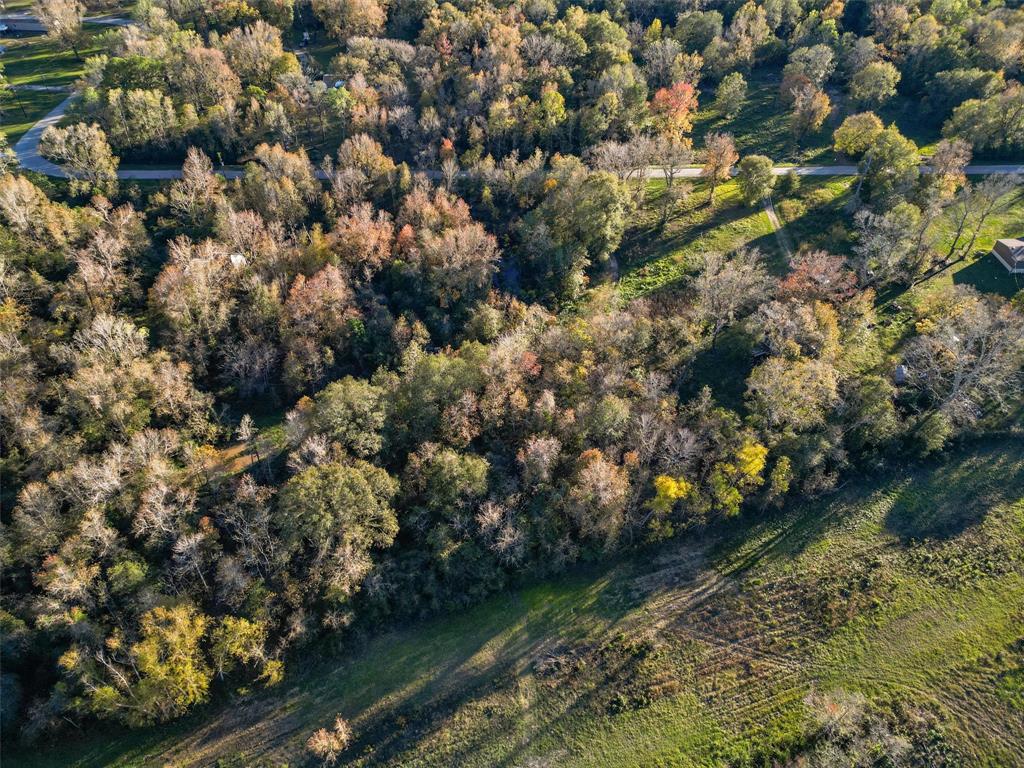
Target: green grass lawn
(25,109)
(322,50)
(652,258)
(980,268)
(39,61)
(908,588)
(816,215)
(762,125)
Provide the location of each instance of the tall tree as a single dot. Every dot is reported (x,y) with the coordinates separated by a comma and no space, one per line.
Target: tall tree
(196,196)
(332,517)
(671,156)
(728,287)
(970,358)
(253,52)
(756,178)
(156,678)
(62,20)
(875,84)
(82,150)
(672,110)
(730,96)
(948,164)
(346,18)
(857,133)
(719,157)
(890,166)
(811,106)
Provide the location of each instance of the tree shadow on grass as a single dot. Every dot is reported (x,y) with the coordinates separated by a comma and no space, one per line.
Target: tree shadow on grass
(821,207)
(646,244)
(396,690)
(937,499)
(959,496)
(989,276)
(567,611)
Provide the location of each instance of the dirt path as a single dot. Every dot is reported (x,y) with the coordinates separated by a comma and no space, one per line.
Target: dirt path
(785,241)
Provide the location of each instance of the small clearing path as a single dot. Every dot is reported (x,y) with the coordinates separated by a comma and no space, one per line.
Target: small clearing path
(785,241)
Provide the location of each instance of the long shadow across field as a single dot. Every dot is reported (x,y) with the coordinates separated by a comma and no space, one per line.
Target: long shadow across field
(650,244)
(950,502)
(404,691)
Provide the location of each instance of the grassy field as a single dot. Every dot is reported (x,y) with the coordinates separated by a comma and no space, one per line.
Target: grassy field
(907,588)
(762,125)
(652,258)
(37,61)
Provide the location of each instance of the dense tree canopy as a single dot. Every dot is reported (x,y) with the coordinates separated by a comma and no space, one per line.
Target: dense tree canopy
(384,368)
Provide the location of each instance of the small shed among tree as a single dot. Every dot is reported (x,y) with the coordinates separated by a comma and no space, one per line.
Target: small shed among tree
(1011,255)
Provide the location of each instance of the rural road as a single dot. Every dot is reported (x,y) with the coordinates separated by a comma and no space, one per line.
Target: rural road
(27,147)
(23,21)
(42,88)
(27,151)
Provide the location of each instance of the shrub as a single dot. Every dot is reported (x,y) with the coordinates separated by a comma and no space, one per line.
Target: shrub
(792,210)
(327,745)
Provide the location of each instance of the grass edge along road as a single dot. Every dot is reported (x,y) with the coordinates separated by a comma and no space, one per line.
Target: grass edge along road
(896,588)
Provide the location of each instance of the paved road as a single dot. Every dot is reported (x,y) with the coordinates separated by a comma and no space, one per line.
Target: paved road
(27,151)
(109,20)
(27,147)
(23,21)
(42,88)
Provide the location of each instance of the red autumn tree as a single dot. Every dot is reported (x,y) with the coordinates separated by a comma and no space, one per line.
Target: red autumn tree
(672,109)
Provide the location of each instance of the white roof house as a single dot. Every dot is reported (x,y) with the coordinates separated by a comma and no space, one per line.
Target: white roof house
(1011,255)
